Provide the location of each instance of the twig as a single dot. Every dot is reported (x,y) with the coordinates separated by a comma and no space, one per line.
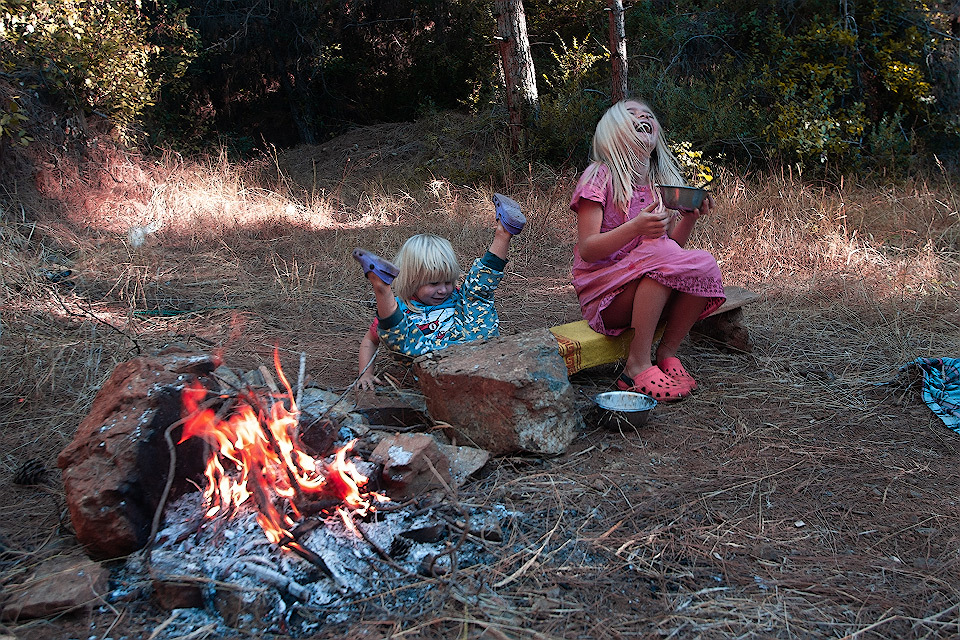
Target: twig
(526,565)
(202,632)
(754,480)
(166,623)
(268,378)
(300,376)
(171,469)
(379,551)
(278,580)
(251,398)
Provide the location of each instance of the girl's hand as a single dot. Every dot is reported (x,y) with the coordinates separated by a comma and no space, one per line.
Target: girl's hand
(705,208)
(653,221)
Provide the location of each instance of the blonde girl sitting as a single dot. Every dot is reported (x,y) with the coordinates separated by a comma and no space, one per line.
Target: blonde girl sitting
(419,306)
(630,268)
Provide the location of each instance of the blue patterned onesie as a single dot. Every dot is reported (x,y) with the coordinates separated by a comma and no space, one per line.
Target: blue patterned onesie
(467,315)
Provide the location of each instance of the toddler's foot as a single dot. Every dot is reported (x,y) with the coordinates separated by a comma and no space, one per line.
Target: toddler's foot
(509,214)
(384,269)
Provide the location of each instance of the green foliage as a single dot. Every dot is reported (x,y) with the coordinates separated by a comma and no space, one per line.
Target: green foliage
(695,168)
(889,146)
(95,56)
(12,123)
(569,110)
(806,87)
(820,83)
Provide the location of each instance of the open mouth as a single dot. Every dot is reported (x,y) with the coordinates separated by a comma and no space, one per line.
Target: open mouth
(643,127)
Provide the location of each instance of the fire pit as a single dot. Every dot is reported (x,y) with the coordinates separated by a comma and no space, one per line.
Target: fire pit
(285,536)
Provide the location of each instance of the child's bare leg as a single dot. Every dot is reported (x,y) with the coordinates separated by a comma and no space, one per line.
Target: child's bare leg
(648,303)
(684,311)
(500,246)
(639,305)
(386,302)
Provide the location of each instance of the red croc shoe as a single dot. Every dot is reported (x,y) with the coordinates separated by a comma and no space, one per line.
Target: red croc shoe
(673,368)
(654,383)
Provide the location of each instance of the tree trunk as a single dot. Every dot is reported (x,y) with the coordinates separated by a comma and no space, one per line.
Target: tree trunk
(300,105)
(618,50)
(520,77)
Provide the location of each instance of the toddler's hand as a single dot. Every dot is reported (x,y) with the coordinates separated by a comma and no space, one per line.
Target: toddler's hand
(367,382)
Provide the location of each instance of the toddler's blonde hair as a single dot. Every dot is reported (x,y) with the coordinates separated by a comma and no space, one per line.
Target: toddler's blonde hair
(617,145)
(423,259)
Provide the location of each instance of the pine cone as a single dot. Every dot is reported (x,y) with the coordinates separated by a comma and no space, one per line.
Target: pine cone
(33,471)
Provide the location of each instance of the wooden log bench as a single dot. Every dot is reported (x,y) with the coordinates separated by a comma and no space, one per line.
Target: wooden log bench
(583,348)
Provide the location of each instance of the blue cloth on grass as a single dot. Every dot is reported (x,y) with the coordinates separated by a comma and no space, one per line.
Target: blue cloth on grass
(941,387)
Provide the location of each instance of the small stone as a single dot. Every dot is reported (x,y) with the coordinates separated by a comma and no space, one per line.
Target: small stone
(174,594)
(59,585)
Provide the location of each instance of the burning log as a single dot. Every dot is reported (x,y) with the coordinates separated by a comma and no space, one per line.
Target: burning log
(251,397)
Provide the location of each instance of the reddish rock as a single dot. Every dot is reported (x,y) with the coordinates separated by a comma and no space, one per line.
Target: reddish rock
(412,465)
(115,469)
(59,585)
(506,395)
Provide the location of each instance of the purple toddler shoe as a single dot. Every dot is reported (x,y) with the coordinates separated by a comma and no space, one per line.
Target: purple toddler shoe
(509,214)
(384,269)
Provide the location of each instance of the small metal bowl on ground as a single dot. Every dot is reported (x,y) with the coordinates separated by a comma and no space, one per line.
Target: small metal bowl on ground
(620,409)
(681,198)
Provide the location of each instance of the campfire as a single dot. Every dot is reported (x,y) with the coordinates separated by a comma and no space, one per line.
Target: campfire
(256,455)
(290,526)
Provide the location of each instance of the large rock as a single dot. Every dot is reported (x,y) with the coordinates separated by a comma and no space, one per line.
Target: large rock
(506,395)
(115,469)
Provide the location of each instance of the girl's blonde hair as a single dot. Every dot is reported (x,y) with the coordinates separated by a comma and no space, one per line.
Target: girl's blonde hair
(618,146)
(423,259)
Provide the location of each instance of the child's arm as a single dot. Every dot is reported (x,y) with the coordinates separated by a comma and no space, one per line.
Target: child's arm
(368,349)
(383,292)
(500,246)
(595,246)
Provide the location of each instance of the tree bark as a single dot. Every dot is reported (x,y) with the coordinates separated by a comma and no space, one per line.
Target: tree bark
(618,50)
(520,77)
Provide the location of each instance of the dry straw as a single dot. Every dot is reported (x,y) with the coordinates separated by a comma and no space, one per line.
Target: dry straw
(805,492)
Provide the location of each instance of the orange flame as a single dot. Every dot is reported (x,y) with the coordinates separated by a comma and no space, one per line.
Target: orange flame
(259,447)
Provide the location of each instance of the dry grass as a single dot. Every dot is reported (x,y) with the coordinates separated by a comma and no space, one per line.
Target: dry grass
(806,492)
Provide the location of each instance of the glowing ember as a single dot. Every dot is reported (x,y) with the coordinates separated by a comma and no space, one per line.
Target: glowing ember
(255,455)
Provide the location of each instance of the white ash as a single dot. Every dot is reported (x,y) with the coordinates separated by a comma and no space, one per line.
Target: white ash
(275,589)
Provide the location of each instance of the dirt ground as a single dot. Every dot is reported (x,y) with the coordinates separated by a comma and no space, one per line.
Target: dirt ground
(805,491)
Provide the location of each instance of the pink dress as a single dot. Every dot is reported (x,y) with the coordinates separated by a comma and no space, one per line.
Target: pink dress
(598,283)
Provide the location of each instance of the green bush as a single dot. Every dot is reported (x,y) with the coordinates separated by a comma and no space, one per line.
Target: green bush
(572,104)
(101,57)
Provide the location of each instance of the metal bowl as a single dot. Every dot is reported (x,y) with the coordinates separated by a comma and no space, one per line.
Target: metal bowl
(619,409)
(681,198)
